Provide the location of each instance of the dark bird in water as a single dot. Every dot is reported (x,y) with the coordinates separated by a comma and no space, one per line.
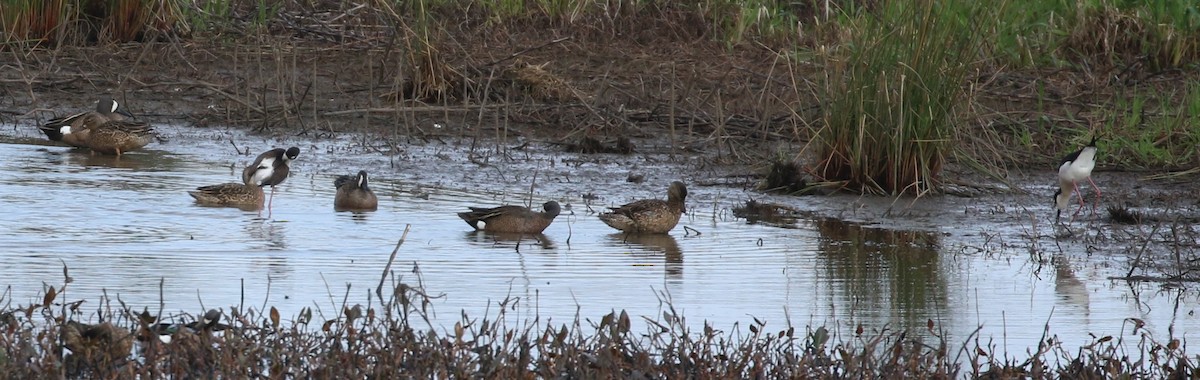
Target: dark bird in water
(512,219)
(353,193)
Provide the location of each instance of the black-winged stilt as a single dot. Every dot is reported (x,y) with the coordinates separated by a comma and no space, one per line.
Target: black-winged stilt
(270,169)
(1075,168)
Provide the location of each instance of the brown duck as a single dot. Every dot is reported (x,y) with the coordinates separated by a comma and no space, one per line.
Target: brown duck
(353,194)
(118,136)
(649,216)
(246,196)
(511,219)
(74,130)
(95,345)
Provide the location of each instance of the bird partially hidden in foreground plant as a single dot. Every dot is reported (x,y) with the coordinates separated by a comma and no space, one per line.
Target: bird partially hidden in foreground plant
(512,219)
(649,216)
(1075,168)
(94,346)
(166,332)
(353,193)
(270,169)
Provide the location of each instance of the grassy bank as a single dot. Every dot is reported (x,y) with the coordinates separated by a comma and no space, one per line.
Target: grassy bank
(865,94)
(59,337)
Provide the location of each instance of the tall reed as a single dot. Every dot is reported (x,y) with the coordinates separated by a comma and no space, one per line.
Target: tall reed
(891,91)
(32,20)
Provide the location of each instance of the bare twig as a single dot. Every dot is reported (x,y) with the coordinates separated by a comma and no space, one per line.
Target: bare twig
(388,268)
(412,109)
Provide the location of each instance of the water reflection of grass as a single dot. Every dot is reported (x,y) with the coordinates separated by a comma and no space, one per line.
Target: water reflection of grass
(394,338)
(884,269)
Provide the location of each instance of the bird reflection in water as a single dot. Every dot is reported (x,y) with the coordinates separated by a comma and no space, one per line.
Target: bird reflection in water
(660,243)
(356,216)
(77,158)
(510,240)
(1068,286)
(272,233)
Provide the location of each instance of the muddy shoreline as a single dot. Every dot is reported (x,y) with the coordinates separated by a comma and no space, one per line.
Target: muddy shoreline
(661,102)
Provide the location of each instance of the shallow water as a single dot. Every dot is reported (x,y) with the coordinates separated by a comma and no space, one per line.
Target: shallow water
(127,228)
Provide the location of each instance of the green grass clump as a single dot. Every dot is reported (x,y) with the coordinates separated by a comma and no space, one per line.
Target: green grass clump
(1152,130)
(892,90)
(1099,33)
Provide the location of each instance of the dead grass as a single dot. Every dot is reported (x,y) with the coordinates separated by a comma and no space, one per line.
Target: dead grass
(393,338)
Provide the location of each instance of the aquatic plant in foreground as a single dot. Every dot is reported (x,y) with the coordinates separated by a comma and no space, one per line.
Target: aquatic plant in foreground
(395,338)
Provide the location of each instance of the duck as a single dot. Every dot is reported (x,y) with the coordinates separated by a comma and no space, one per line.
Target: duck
(229,194)
(74,130)
(1073,169)
(246,195)
(118,136)
(166,332)
(96,345)
(353,193)
(270,169)
(649,216)
(511,219)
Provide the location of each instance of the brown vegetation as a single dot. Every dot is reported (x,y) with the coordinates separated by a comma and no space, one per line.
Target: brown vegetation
(386,340)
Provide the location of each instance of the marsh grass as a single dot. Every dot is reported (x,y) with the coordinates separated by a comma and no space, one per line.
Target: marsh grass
(867,86)
(892,91)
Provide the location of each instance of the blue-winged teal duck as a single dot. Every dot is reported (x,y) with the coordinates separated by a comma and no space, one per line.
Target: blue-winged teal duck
(270,169)
(73,130)
(229,194)
(246,196)
(119,136)
(512,219)
(353,193)
(206,325)
(649,216)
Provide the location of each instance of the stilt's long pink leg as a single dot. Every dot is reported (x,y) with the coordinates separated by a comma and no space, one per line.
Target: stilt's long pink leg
(1075,186)
(270,201)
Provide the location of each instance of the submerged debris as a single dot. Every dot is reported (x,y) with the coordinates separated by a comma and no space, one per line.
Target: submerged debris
(786,177)
(591,145)
(1128,215)
(1123,215)
(762,212)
